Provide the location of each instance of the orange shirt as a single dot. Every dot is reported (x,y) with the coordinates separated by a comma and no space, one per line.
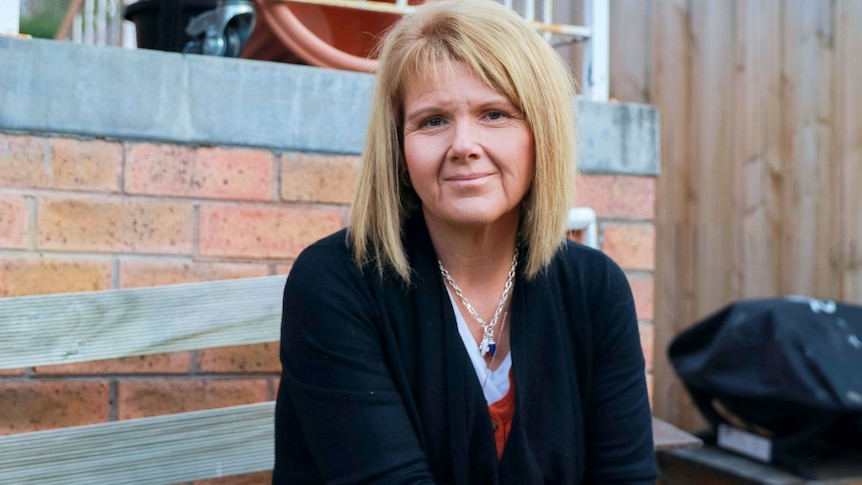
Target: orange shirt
(502,413)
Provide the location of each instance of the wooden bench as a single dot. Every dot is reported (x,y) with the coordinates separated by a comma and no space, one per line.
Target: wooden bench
(710,465)
(78,327)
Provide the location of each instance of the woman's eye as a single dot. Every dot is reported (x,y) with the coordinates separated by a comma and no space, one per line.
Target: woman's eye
(495,115)
(432,122)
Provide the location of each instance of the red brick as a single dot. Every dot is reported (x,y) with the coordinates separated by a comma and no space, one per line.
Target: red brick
(263,231)
(34,406)
(154,397)
(240,358)
(647,335)
(618,196)
(318,178)
(14,221)
(172,363)
(273,386)
(114,226)
(283,269)
(11,372)
(39,275)
(259,478)
(23,161)
(643,289)
(207,172)
(576,235)
(632,246)
(60,163)
(86,164)
(650,386)
(152,273)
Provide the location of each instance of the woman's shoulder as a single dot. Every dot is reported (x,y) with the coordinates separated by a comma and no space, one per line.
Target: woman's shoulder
(335,244)
(583,259)
(590,270)
(324,258)
(331,261)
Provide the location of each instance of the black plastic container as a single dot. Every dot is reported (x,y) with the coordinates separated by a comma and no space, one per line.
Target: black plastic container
(161,24)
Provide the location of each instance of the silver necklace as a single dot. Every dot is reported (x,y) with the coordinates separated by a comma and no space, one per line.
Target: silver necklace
(488,370)
(488,344)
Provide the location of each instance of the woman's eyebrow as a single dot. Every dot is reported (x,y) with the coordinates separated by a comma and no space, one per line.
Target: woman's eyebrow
(432,108)
(422,112)
(496,103)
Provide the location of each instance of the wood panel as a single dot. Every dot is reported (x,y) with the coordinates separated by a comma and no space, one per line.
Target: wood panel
(670,90)
(829,213)
(713,466)
(712,86)
(752,180)
(760,192)
(848,143)
(762,231)
(150,451)
(79,327)
(630,22)
(572,12)
(803,241)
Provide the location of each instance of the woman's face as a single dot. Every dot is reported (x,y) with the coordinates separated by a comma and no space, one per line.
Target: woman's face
(469,151)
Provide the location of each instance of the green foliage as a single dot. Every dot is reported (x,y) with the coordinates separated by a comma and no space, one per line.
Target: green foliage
(40,26)
(42,18)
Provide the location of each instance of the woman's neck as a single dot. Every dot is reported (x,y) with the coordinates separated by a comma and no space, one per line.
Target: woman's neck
(477,261)
(475,254)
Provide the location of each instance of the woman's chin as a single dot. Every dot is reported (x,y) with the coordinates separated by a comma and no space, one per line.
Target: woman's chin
(473,217)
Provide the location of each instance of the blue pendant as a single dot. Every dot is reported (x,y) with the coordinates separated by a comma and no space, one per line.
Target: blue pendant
(492,347)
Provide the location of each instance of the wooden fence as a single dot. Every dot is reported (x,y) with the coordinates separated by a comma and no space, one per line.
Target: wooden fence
(80,327)
(761,121)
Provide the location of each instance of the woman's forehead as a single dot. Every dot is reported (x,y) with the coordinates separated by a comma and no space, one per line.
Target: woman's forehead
(434,74)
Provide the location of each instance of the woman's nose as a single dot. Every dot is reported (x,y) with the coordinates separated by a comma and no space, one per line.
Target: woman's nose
(465,141)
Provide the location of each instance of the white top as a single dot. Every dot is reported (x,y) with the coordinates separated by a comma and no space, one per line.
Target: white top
(495,384)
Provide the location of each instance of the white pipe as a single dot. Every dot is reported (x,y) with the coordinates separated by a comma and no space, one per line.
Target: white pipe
(597,50)
(584,219)
(88,24)
(100,23)
(547,17)
(10,17)
(530,10)
(128,32)
(78,29)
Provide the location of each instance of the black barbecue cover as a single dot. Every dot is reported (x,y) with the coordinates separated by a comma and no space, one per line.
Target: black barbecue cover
(788,368)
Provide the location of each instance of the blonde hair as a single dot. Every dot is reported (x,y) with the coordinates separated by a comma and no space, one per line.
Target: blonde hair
(509,56)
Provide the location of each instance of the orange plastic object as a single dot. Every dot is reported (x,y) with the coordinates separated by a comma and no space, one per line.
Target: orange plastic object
(318,35)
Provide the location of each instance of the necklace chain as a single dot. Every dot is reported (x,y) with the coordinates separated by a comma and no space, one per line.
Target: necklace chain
(488,370)
(488,343)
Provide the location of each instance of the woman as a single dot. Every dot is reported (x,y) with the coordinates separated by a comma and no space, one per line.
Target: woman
(451,334)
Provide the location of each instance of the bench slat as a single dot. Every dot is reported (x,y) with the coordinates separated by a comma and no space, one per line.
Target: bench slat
(149,451)
(79,327)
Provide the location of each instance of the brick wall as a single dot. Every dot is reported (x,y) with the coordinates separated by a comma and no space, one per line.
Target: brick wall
(81,214)
(625,207)
(90,214)
(115,197)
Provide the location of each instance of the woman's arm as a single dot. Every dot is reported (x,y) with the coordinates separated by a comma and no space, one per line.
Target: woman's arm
(337,404)
(619,433)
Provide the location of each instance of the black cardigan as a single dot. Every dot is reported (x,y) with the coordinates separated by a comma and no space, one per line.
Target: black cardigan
(377,386)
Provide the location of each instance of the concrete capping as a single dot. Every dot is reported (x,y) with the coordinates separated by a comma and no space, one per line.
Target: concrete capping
(59,88)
